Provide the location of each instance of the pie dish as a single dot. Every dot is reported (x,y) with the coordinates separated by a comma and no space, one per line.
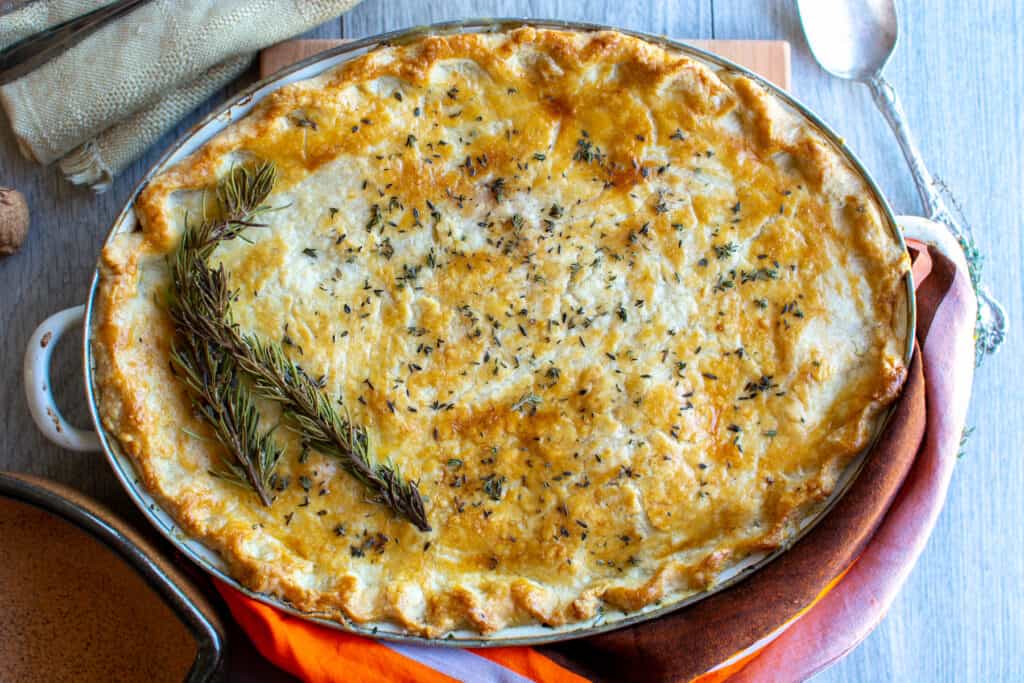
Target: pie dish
(624,318)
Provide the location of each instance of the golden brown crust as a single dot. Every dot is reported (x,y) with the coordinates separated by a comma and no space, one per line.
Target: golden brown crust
(698,290)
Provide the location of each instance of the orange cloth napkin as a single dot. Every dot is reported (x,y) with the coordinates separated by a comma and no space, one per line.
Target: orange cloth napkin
(790,619)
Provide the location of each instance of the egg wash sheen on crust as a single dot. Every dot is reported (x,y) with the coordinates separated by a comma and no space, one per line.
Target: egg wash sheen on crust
(622,317)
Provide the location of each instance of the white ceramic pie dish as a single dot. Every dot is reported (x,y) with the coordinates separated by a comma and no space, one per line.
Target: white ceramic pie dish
(53,425)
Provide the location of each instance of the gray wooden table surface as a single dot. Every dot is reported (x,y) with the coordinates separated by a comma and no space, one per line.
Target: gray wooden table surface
(960,69)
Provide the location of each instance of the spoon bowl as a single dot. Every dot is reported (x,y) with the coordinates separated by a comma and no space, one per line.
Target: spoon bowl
(851,39)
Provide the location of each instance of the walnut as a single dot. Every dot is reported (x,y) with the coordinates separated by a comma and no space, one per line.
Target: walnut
(13,220)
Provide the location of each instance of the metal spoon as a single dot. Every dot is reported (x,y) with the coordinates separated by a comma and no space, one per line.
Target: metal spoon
(853,39)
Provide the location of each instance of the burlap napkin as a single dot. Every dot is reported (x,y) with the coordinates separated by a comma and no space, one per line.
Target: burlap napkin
(784,623)
(99,105)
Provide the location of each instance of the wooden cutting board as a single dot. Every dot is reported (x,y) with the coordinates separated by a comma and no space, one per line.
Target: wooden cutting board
(769,58)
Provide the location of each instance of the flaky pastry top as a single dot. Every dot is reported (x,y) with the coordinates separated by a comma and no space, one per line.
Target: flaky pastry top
(625,318)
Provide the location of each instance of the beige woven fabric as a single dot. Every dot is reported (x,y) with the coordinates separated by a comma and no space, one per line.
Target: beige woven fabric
(38,16)
(103,102)
(97,162)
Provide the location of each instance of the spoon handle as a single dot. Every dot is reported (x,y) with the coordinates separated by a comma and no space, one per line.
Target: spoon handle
(990,331)
(892,109)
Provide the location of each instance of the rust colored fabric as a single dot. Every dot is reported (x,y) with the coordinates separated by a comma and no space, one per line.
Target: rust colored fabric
(758,626)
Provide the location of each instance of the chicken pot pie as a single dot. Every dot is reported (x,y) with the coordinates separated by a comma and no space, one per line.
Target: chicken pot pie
(623,318)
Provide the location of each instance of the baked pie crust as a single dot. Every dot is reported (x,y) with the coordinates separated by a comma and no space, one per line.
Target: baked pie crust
(624,317)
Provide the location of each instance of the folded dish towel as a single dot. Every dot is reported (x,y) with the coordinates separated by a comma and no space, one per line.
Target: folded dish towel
(125,85)
(789,620)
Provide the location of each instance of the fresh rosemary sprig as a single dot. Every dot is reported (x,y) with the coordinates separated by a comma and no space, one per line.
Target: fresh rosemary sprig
(200,305)
(201,309)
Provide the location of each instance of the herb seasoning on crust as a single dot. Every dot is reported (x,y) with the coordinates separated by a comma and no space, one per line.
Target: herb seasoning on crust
(624,319)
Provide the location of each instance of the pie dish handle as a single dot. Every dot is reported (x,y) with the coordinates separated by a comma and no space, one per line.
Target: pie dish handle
(39,390)
(935,235)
